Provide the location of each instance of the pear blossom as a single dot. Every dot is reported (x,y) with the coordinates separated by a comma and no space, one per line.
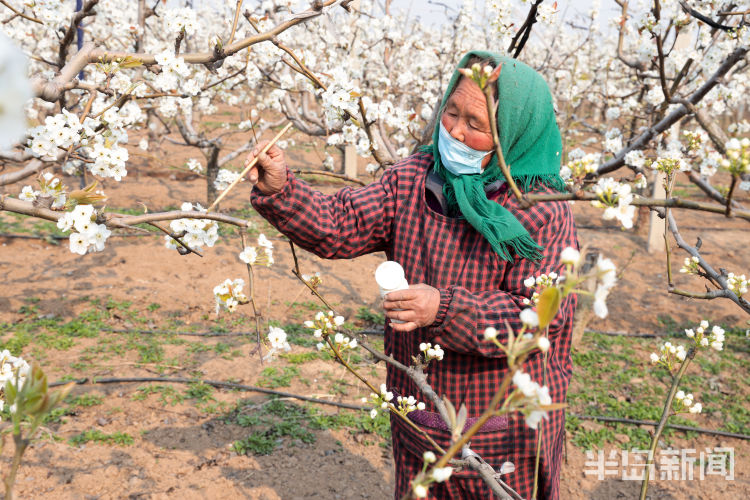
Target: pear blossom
(278,339)
(529,318)
(440,474)
(570,256)
(229,295)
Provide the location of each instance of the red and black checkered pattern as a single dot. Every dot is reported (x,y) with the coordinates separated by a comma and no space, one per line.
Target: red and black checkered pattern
(477,290)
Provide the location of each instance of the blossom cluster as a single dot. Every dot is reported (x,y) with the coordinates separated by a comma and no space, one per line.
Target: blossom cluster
(342,342)
(49,187)
(314,280)
(437,475)
(407,404)
(89,236)
(277,338)
(705,338)
(224,178)
(323,324)
(737,161)
(671,159)
(251,256)
(617,199)
(530,397)
(691,265)
(339,99)
(380,401)
(228,295)
(182,19)
(579,165)
(193,232)
(431,352)
(538,284)
(62,130)
(737,284)
(12,369)
(174,72)
(195,166)
(684,403)
(670,355)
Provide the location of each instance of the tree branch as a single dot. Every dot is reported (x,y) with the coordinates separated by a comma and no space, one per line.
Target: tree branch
(665,123)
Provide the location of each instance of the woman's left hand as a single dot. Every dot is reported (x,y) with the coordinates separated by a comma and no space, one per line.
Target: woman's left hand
(416,306)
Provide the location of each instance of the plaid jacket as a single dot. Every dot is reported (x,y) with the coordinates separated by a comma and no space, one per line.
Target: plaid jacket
(477,290)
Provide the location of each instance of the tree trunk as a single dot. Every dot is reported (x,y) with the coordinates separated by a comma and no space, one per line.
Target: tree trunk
(212,170)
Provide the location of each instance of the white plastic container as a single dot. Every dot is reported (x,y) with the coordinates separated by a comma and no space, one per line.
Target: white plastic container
(390,277)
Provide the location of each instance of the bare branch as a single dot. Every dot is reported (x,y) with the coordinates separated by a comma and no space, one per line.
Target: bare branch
(524,31)
(20,14)
(86,11)
(33,168)
(665,123)
(710,272)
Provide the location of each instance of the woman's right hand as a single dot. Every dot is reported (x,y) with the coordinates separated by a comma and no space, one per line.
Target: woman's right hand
(269,173)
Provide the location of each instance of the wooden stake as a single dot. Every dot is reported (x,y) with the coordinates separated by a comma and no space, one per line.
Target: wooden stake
(252,164)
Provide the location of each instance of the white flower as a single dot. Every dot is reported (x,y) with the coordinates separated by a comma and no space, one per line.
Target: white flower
(654,358)
(277,338)
(600,308)
(681,353)
(529,282)
(534,417)
(264,242)
(249,255)
(525,384)
(570,256)
(420,491)
(194,166)
(338,320)
(79,243)
(28,194)
(441,474)
(696,408)
(543,344)
(429,457)
(529,318)
(490,333)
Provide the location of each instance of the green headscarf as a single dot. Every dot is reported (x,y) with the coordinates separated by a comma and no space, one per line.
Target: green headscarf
(531,145)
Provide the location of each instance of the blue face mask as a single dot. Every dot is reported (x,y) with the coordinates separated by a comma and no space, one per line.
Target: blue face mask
(457,157)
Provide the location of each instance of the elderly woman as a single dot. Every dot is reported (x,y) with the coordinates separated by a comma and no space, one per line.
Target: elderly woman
(447,216)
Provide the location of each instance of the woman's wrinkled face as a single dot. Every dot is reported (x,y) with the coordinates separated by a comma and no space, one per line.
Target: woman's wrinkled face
(465,117)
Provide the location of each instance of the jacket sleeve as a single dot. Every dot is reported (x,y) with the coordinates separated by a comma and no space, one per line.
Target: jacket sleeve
(350,223)
(463,316)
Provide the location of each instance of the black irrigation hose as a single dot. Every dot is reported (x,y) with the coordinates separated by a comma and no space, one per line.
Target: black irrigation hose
(231,385)
(369,331)
(654,424)
(165,332)
(213,334)
(214,383)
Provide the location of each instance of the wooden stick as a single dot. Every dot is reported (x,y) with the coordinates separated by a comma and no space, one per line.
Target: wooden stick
(252,164)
